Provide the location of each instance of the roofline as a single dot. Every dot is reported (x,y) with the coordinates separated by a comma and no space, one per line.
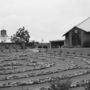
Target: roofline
(73,28)
(83,21)
(69,30)
(56,40)
(77,26)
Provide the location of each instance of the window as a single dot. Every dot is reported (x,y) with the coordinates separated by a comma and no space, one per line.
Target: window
(76,31)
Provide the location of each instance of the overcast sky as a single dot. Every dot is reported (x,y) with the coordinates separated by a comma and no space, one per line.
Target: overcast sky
(44,19)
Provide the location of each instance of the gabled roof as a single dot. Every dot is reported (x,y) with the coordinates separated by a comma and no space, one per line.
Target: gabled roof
(84,25)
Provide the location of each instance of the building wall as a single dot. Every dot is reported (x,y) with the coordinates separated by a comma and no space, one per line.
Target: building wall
(84,36)
(68,39)
(66,42)
(86,39)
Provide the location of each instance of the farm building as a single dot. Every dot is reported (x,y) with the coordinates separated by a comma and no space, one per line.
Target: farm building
(56,43)
(43,45)
(78,36)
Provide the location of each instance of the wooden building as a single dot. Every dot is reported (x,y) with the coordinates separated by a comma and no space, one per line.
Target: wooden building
(78,36)
(56,43)
(43,45)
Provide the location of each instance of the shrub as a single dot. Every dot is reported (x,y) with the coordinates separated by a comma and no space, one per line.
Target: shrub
(81,54)
(87,86)
(74,52)
(58,85)
(88,55)
(68,52)
(43,88)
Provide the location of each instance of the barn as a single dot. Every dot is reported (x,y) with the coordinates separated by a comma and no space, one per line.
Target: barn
(79,35)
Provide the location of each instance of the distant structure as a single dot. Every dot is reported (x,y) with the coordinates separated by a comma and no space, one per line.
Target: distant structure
(79,35)
(56,43)
(3,36)
(43,45)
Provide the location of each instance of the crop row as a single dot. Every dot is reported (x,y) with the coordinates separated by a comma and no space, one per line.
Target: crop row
(42,66)
(39,81)
(40,73)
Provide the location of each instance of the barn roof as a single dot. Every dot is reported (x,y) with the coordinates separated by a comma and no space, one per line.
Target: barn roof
(84,25)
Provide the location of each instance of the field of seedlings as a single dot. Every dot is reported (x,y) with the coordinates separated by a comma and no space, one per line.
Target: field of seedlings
(32,69)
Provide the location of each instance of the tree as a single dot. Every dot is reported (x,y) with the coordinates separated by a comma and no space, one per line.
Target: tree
(21,36)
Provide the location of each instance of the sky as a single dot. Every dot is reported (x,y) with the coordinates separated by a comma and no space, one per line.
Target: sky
(44,19)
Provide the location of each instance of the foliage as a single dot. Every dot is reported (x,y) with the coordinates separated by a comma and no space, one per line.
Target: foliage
(60,86)
(21,36)
(87,86)
(57,84)
(43,88)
